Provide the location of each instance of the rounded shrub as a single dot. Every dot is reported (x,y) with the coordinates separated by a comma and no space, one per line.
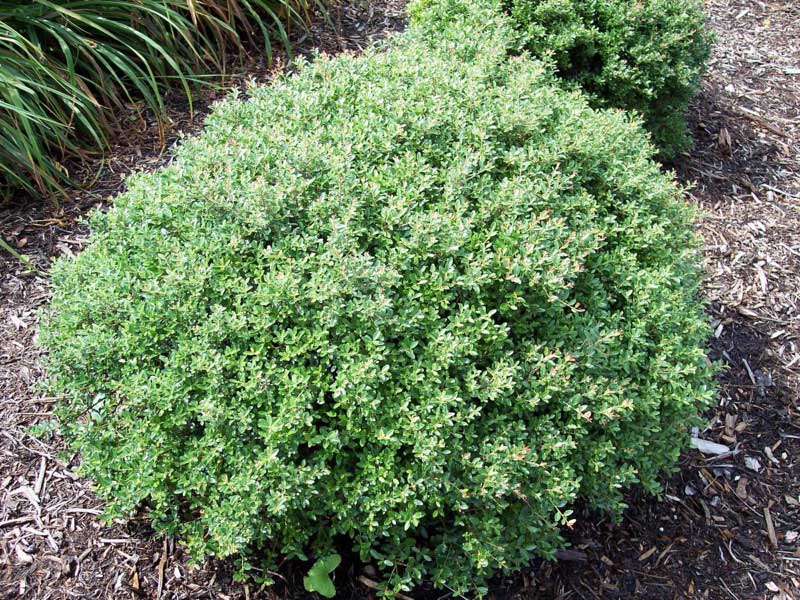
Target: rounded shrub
(645,56)
(641,55)
(419,303)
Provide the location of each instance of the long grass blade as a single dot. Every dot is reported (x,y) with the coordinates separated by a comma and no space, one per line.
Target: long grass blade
(67,67)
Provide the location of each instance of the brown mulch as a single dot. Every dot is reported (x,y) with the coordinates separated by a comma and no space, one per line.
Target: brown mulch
(726,527)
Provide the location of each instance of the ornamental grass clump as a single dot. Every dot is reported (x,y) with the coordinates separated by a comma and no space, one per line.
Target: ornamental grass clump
(421,304)
(71,68)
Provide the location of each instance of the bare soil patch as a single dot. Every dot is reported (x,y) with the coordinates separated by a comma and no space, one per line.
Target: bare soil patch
(726,527)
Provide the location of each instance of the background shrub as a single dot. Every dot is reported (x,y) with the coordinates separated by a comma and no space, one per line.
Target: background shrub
(645,56)
(419,302)
(68,66)
(640,55)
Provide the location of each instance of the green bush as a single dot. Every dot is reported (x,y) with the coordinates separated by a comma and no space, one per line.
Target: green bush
(68,67)
(422,303)
(645,56)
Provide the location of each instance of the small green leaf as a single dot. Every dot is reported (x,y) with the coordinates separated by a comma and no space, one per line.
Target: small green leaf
(318,578)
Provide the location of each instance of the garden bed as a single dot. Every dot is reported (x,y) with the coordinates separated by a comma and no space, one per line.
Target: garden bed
(726,525)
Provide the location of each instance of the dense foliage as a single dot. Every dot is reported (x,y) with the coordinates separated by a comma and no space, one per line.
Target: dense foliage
(67,67)
(646,56)
(423,298)
(643,56)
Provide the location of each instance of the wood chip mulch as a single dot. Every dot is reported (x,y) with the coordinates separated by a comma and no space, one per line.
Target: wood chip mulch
(727,525)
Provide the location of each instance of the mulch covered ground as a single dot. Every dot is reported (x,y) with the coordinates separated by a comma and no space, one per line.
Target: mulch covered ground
(727,526)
